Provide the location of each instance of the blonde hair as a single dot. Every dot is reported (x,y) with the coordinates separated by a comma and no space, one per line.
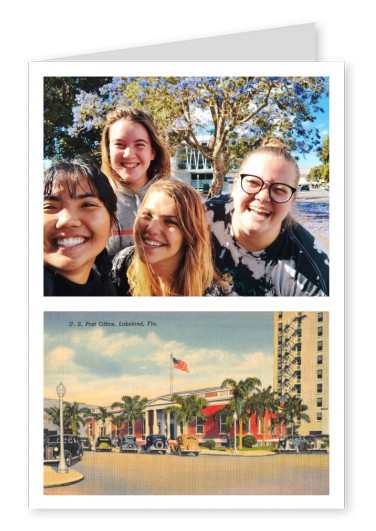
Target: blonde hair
(275,147)
(159,168)
(196,272)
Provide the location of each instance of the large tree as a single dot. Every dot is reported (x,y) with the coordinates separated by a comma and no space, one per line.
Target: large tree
(102,417)
(321,173)
(59,98)
(132,408)
(188,408)
(234,112)
(262,402)
(238,403)
(74,415)
(291,412)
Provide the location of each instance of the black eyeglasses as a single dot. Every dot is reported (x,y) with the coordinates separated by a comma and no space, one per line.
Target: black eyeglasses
(278,192)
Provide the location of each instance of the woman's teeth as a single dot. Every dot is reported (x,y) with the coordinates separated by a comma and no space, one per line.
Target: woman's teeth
(69,242)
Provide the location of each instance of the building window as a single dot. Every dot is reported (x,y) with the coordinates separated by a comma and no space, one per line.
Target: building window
(320,317)
(280,353)
(130,428)
(319,388)
(319,373)
(319,402)
(279,327)
(299,361)
(280,315)
(199,426)
(298,389)
(319,359)
(143,427)
(319,416)
(279,365)
(319,331)
(279,340)
(298,375)
(90,429)
(279,379)
(319,346)
(222,424)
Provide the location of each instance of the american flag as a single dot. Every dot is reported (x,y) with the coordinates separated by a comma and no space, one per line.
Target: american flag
(179,364)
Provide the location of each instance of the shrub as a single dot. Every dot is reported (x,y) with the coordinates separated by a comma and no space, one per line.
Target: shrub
(210,444)
(249,441)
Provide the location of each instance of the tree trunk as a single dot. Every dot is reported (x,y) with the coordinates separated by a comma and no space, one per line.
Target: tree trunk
(220,167)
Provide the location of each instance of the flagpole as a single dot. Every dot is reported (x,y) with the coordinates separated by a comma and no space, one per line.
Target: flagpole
(171,375)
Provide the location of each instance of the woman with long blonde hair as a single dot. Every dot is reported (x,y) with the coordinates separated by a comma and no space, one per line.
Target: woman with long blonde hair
(172,255)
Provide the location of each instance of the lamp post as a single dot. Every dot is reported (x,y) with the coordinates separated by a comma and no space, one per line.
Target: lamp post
(62,468)
(235,419)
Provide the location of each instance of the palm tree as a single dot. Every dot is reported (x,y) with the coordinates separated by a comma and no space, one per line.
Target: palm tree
(262,401)
(102,416)
(132,408)
(54,414)
(188,409)
(74,416)
(292,411)
(118,421)
(241,393)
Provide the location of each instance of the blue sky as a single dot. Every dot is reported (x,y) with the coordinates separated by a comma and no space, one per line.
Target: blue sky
(99,363)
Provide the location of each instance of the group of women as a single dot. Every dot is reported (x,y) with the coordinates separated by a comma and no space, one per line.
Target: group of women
(132,229)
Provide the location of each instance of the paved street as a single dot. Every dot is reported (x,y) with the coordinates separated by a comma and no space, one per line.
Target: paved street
(114,473)
(311,209)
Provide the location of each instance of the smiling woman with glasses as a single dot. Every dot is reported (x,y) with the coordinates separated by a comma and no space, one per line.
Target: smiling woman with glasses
(259,248)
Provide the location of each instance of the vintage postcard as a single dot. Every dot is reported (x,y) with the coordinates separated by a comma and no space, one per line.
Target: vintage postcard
(186,397)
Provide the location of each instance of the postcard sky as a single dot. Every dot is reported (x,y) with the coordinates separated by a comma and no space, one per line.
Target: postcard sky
(99,363)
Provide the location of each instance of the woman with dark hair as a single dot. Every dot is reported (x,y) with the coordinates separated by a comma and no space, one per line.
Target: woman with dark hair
(133,157)
(259,248)
(172,255)
(79,214)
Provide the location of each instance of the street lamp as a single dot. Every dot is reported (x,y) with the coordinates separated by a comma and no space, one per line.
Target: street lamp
(62,468)
(235,419)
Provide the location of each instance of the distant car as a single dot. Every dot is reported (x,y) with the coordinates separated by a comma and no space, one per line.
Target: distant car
(293,444)
(129,444)
(186,444)
(155,444)
(304,188)
(103,444)
(86,444)
(72,449)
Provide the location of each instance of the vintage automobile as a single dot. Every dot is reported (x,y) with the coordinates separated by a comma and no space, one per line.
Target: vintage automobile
(293,444)
(129,444)
(103,444)
(155,444)
(185,445)
(72,449)
(85,443)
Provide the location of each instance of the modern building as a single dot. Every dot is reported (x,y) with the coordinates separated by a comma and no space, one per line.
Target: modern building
(301,365)
(189,165)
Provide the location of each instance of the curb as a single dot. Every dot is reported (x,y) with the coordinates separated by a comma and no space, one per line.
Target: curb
(51,478)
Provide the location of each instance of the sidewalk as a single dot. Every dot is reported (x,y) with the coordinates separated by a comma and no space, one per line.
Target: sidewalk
(51,478)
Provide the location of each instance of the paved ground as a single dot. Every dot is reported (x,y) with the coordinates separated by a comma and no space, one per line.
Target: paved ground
(209,474)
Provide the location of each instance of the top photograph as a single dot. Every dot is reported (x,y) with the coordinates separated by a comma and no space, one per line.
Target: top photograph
(186,186)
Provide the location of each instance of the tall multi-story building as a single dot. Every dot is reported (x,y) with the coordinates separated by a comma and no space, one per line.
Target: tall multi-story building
(301,365)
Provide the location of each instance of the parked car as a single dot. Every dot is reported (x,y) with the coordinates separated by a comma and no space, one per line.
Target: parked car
(304,188)
(85,443)
(72,449)
(186,444)
(293,444)
(129,444)
(103,444)
(155,444)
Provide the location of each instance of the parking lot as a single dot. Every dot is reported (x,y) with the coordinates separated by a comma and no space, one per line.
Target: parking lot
(129,474)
